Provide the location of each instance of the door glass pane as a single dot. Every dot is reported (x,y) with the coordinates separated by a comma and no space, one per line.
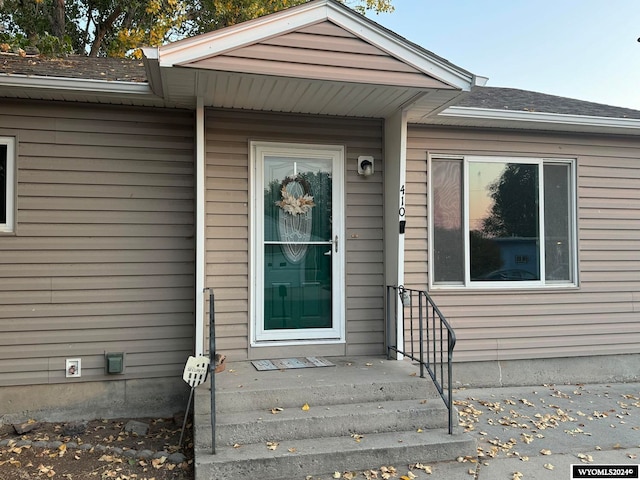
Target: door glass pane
(297,242)
(448,239)
(297,295)
(503,221)
(556,222)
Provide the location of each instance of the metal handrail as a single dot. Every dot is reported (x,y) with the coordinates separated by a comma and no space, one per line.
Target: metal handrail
(431,350)
(212,367)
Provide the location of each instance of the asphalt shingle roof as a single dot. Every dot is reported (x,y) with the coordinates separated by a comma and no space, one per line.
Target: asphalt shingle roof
(513,99)
(89,68)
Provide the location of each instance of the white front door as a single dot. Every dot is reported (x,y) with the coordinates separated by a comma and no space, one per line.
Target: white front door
(298,243)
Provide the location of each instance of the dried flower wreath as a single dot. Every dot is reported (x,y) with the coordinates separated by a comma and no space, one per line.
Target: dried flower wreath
(295,205)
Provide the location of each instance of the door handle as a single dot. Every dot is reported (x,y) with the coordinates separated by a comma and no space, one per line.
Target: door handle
(335,242)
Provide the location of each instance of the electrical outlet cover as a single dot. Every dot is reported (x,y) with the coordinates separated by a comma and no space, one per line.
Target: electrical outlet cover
(73,367)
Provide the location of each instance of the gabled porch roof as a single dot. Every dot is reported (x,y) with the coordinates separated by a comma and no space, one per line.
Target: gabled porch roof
(317,58)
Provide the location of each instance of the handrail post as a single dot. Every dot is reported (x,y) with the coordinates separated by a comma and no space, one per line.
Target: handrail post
(212,367)
(388,323)
(421,334)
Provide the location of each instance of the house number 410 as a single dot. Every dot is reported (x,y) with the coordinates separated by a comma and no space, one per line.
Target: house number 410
(401,211)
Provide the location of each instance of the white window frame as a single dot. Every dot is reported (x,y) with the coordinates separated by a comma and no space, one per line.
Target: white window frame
(9,225)
(467,282)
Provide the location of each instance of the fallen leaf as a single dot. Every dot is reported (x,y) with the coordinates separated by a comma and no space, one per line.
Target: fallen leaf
(276,410)
(585,458)
(273,446)
(420,466)
(337,474)
(357,437)
(388,472)
(157,462)
(236,445)
(48,471)
(306,407)
(548,466)
(292,450)
(545,451)
(517,475)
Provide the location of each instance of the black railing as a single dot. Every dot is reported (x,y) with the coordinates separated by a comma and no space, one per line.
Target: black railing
(428,337)
(212,367)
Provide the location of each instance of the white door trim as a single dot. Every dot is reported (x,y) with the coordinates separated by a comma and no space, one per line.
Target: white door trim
(258,335)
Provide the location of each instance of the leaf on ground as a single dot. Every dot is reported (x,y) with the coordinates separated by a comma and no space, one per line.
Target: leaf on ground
(420,466)
(306,407)
(276,410)
(48,471)
(357,437)
(548,466)
(292,450)
(517,475)
(272,445)
(388,472)
(545,451)
(157,462)
(337,474)
(585,458)
(12,461)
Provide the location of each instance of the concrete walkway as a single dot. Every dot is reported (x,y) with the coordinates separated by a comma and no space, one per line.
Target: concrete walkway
(539,432)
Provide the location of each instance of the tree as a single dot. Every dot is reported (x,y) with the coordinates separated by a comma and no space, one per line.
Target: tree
(514,212)
(119,27)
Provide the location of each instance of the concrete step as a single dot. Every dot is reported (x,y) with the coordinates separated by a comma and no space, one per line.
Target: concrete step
(259,426)
(297,459)
(241,388)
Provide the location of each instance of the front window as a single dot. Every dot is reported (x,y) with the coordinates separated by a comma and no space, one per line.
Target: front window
(6,184)
(502,221)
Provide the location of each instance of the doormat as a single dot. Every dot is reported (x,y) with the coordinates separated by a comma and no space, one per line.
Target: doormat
(287,363)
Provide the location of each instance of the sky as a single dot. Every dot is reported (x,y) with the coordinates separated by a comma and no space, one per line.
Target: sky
(583,49)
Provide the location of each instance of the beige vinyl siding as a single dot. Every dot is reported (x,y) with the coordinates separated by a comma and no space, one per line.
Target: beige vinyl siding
(323,51)
(102,259)
(227,219)
(598,317)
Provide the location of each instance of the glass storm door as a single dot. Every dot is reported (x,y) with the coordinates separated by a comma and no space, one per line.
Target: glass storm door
(298,257)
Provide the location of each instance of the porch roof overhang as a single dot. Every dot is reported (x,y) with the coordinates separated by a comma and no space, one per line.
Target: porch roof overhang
(317,58)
